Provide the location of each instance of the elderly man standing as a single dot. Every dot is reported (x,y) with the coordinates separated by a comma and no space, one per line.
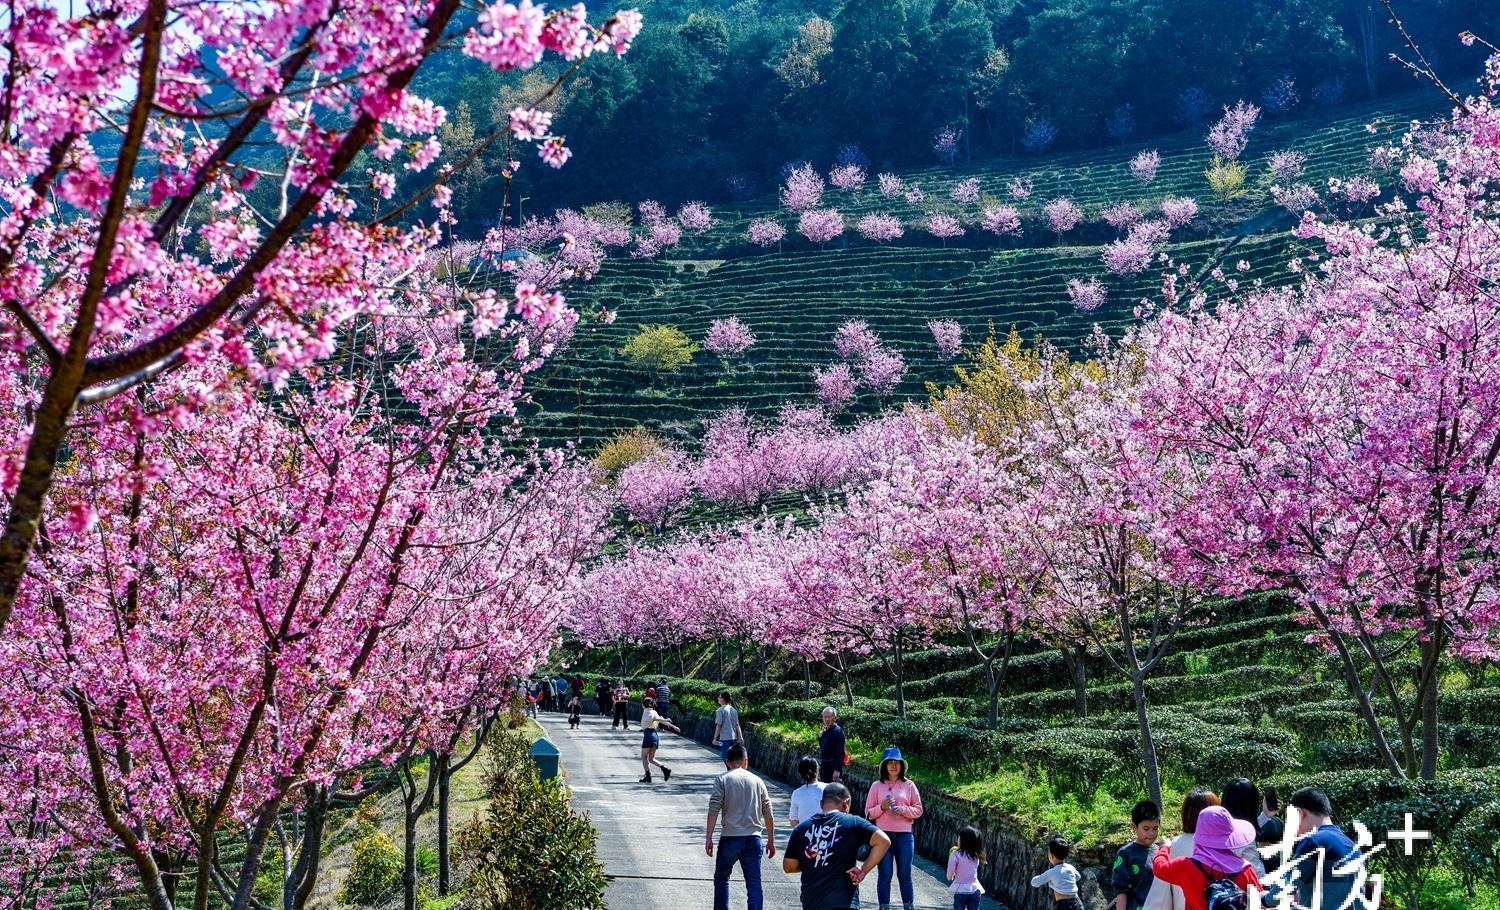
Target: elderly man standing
(743,801)
(831,748)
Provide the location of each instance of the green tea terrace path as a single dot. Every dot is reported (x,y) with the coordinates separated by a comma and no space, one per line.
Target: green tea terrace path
(651,835)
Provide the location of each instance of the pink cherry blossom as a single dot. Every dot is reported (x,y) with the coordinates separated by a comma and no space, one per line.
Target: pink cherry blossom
(847,177)
(1063,215)
(728,337)
(879,227)
(1179,211)
(1088,295)
(820,225)
(803,190)
(948,335)
(695,217)
(965,191)
(765,232)
(1228,137)
(944,227)
(1002,220)
(855,339)
(1145,164)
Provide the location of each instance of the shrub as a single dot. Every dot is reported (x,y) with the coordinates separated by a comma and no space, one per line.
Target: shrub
(375,874)
(626,448)
(1226,177)
(1344,755)
(1476,845)
(532,851)
(660,348)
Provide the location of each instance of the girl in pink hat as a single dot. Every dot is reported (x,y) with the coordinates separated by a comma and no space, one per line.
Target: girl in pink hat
(1214,858)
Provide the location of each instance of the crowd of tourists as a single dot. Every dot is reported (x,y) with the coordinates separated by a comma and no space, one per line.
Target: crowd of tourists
(1230,848)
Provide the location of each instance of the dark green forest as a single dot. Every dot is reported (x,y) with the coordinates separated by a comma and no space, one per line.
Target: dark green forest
(718,97)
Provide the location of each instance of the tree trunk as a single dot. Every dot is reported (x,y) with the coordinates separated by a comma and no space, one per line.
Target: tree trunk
(806,679)
(1078,672)
(994,683)
(900,689)
(1148,742)
(765,663)
(444,806)
(409,862)
(719,659)
(1432,652)
(740,659)
(681,665)
(661,663)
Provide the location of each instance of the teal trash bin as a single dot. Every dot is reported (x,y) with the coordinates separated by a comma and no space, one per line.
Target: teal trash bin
(546,756)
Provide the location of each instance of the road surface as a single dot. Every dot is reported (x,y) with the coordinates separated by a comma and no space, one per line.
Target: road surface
(651,835)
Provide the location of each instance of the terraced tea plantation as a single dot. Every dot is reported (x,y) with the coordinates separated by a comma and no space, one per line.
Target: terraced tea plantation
(794,300)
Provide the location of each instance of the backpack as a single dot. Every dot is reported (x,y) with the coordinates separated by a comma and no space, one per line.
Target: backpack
(1222,893)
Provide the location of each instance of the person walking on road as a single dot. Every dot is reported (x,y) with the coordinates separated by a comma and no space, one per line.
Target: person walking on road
(807,800)
(651,740)
(664,697)
(621,695)
(825,851)
(831,747)
(726,726)
(603,701)
(743,802)
(893,804)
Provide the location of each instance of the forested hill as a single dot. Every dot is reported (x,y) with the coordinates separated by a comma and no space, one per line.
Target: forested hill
(717,98)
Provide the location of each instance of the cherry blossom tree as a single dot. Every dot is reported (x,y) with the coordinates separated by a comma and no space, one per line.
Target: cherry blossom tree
(765,232)
(1341,436)
(1229,136)
(695,217)
(1287,164)
(1179,211)
(1088,295)
(728,338)
(944,227)
(948,335)
(1002,220)
(656,490)
(1020,188)
(820,225)
(879,227)
(891,186)
(849,177)
(945,144)
(965,191)
(111,273)
(855,339)
(1121,215)
(803,190)
(881,371)
(836,386)
(1145,165)
(1063,215)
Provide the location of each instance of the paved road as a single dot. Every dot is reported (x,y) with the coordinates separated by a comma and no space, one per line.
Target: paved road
(651,835)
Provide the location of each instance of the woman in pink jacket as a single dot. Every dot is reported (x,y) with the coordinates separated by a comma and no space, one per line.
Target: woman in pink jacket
(893,804)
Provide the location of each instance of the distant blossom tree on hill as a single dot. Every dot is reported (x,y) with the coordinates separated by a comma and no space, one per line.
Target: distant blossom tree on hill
(695,217)
(847,177)
(944,227)
(948,335)
(803,190)
(765,232)
(1002,220)
(1145,165)
(820,225)
(1063,215)
(728,338)
(836,386)
(879,227)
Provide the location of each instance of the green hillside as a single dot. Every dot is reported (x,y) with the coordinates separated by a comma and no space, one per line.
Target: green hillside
(794,300)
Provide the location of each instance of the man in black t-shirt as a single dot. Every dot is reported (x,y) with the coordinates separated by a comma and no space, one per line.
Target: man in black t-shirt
(825,850)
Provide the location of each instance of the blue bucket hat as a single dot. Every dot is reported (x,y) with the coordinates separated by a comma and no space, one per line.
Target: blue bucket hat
(892,754)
